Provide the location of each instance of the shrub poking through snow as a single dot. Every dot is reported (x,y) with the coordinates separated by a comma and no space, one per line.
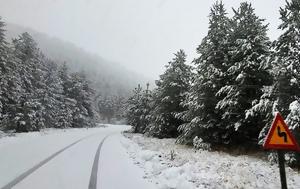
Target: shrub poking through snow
(172,155)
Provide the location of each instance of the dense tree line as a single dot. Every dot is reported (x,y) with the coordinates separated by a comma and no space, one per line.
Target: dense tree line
(238,81)
(36,93)
(111,108)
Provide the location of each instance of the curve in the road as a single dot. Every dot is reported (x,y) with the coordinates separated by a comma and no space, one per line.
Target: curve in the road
(28,172)
(94,174)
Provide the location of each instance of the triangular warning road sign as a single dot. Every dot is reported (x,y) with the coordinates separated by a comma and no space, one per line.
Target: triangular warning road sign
(279,136)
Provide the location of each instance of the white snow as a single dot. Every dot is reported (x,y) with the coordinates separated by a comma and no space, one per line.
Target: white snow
(72,168)
(202,169)
(294,106)
(22,151)
(116,168)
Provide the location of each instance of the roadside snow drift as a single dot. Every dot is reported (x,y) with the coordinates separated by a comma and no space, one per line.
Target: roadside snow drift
(202,169)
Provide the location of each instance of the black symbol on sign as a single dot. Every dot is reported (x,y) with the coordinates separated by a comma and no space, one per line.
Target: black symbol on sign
(282,134)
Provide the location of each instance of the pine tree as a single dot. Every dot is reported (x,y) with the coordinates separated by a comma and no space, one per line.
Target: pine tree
(247,75)
(87,101)
(287,52)
(283,95)
(3,64)
(133,112)
(138,110)
(52,96)
(29,113)
(76,100)
(168,97)
(146,104)
(285,60)
(81,92)
(3,47)
(202,118)
(67,104)
(10,84)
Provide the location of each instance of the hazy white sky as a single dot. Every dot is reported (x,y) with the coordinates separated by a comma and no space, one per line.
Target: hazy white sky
(140,34)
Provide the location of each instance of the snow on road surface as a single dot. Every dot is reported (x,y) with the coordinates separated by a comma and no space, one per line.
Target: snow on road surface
(71,168)
(192,169)
(117,174)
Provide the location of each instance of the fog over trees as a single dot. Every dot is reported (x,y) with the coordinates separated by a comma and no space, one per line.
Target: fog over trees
(47,82)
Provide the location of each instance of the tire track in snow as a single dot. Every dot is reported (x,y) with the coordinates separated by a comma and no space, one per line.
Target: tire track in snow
(34,168)
(94,174)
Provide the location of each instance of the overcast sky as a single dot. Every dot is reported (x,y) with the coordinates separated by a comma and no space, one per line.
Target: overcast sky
(140,34)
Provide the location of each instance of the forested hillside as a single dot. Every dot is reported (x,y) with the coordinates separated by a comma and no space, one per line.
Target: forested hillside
(110,77)
(38,93)
(112,83)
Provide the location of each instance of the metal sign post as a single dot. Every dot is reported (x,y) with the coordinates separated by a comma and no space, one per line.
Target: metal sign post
(280,154)
(280,138)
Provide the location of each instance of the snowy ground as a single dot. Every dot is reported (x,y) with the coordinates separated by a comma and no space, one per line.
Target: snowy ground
(71,169)
(132,162)
(202,169)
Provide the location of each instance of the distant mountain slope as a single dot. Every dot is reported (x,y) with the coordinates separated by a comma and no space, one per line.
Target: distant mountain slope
(108,77)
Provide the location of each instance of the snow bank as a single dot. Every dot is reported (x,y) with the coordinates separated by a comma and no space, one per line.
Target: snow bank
(202,169)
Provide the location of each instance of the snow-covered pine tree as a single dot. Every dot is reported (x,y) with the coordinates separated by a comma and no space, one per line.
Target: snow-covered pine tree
(285,94)
(171,91)
(287,51)
(67,104)
(10,83)
(30,111)
(133,112)
(3,64)
(293,121)
(81,92)
(52,98)
(3,47)
(87,101)
(145,107)
(202,118)
(247,75)
(138,109)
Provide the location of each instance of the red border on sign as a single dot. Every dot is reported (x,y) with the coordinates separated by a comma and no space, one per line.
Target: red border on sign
(267,145)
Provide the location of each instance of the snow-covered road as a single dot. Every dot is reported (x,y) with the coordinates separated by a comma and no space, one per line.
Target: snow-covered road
(72,167)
